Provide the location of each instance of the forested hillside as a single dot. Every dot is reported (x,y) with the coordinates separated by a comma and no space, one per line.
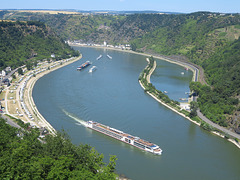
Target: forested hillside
(21,41)
(210,40)
(220,101)
(92,28)
(23,156)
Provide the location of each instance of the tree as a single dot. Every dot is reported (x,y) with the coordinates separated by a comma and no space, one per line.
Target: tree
(112,163)
(37,42)
(20,71)
(25,157)
(193,108)
(29,65)
(35,63)
(133,46)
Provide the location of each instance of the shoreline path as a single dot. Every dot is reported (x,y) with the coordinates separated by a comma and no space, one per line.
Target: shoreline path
(24,107)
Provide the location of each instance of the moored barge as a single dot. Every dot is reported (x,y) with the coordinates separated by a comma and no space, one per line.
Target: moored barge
(124,137)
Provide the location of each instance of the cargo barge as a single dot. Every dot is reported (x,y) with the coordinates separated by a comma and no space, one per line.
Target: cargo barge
(84,65)
(124,137)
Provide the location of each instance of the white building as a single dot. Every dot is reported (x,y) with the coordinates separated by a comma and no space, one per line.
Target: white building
(3,73)
(185,106)
(8,69)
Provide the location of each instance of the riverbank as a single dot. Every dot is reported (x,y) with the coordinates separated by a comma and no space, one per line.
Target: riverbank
(148,80)
(31,84)
(23,106)
(196,71)
(148,76)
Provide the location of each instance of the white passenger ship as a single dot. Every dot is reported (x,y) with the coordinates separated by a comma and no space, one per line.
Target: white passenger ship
(124,137)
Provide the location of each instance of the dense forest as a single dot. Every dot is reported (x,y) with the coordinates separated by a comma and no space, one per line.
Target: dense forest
(21,41)
(24,156)
(210,40)
(92,28)
(220,101)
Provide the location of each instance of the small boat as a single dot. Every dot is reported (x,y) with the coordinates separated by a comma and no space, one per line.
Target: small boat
(92,69)
(99,57)
(182,73)
(165,92)
(110,57)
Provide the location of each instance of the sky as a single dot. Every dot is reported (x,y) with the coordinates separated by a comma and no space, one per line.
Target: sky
(183,6)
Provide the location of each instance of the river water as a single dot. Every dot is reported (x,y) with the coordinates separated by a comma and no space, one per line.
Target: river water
(112,96)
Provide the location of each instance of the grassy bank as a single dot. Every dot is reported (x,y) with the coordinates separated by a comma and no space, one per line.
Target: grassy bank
(144,80)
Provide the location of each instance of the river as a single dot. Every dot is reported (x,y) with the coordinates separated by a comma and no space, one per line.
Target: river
(112,96)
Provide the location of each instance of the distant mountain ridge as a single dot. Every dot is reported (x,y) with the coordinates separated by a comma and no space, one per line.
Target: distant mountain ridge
(113,12)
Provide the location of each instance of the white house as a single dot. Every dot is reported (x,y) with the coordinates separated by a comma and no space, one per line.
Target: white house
(3,73)
(185,106)
(8,69)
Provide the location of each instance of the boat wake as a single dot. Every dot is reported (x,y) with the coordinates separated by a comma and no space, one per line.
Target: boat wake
(82,122)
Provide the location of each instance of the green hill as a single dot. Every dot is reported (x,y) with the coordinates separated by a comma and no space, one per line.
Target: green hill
(22,41)
(210,40)
(24,156)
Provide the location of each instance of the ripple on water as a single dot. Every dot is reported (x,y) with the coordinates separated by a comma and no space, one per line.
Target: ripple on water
(112,96)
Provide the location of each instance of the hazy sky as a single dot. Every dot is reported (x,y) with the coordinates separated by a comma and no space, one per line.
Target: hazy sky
(225,6)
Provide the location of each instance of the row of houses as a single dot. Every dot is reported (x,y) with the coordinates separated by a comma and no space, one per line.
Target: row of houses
(120,46)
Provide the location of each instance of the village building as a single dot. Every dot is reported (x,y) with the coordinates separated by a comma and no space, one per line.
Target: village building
(8,69)
(185,106)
